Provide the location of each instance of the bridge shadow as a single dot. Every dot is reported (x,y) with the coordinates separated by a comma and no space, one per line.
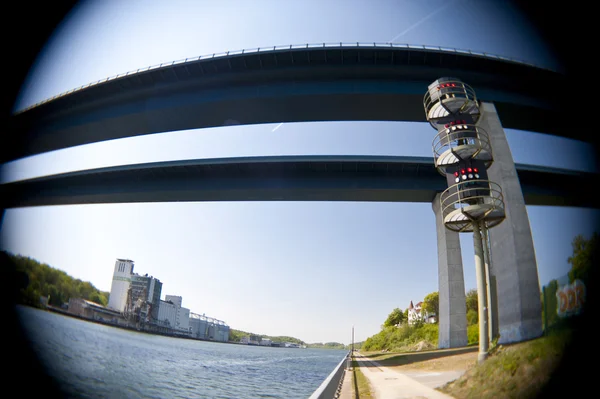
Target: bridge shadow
(400,359)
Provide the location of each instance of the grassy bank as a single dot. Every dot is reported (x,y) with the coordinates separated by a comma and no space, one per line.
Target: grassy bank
(522,370)
(518,370)
(404,338)
(395,359)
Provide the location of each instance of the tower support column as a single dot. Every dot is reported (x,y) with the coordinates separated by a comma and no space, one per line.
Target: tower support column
(513,262)
(452,319)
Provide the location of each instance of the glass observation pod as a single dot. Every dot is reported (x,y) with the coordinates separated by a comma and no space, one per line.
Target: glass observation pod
(448,97)
(458,141)
(475,200)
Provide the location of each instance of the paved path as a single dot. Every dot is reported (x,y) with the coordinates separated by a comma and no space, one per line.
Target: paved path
(347,391)
(388,383)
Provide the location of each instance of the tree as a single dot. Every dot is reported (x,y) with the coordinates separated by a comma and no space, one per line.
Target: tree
(44,280)
(472,302)
(550,303)
(431,303)
(472,317)
(583,258)
(394,318)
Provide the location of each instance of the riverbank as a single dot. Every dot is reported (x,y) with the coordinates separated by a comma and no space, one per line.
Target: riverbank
(528,369)
(63,312)
(522,369)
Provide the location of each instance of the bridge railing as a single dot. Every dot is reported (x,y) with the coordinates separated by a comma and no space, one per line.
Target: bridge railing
(285,48)
(331,385)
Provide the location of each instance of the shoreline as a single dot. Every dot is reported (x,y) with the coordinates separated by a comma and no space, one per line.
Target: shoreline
(50,308)
(63,312)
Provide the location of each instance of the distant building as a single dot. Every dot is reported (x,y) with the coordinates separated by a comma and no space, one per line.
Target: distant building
(199,326)
(415,312)
(167,314)
(120,284)
(208,328)
(94,311)
(183,319)
(222,331)
(143,299)
(265,342)
(171,313)
(254,339)
(176,299)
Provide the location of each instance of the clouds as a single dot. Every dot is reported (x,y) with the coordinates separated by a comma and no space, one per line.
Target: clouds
(421,21)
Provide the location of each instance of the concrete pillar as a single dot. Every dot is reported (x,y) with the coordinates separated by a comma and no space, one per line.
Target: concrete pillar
(513,263)
(452,319)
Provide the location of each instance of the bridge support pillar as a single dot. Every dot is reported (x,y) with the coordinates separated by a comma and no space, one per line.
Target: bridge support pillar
(452,319)
(513,262)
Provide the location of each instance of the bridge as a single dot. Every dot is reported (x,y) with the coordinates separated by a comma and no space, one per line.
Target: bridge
(323,82)
(280,178)
(348,82)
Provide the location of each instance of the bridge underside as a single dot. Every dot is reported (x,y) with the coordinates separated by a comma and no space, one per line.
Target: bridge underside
(294,178)
(296,85)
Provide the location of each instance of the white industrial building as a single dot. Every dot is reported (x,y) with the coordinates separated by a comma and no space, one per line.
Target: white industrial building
(171,313)
(176,299)
(120,284)
(138,299)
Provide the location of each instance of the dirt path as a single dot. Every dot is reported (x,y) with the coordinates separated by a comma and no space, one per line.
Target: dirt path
(429,361)
(461,362)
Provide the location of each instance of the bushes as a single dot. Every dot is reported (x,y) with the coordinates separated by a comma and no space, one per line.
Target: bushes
(428,332)
(400,338)
(473,334)
(472,317)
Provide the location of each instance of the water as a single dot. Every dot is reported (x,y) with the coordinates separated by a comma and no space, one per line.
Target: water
(91,360)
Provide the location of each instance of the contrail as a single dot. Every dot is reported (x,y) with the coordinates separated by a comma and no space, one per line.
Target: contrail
(420,21)
(277,127)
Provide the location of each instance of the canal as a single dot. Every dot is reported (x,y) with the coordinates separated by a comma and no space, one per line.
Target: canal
(90,360)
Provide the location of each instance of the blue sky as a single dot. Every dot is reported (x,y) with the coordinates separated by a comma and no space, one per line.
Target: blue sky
(308,270)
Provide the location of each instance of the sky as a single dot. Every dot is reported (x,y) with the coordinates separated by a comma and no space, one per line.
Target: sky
(311,270)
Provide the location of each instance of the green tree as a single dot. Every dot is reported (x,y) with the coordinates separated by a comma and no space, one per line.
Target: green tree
(472,334)
(550,303)
(98,298)
(418,323)
(394,318)
(472,317)
(472,302)
(431,303)
(583,258)
(44,280)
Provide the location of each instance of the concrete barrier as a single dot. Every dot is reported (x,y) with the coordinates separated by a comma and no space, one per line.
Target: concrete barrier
(329,389)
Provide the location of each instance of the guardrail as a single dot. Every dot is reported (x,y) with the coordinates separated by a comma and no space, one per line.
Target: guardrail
(287,48)
(330,388)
